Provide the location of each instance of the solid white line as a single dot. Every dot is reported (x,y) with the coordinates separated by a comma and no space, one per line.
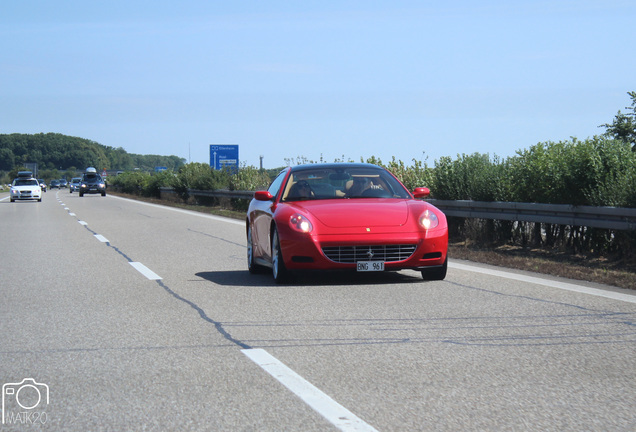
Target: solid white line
(331,410)
(508,275)
(546,282)
(145,271)
(189,212)
(101,238)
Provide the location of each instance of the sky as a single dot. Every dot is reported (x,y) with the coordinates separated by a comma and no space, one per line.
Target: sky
(414,80)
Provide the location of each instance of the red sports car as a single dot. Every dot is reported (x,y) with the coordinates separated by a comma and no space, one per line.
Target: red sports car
(344,216)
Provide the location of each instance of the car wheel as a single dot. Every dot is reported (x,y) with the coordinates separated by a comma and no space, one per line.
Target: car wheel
(12,200)
(251,265)
(279,271)
(103,193)
(81,194)
(40,200)
(437,273)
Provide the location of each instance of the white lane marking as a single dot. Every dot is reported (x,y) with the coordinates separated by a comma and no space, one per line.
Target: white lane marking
(101,238)
(331,410)
(145,271)
(82,223)
(535,280)
(546,282)
(189,212)
(71,214)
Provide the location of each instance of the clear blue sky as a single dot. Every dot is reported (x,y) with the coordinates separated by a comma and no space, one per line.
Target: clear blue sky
(410,79)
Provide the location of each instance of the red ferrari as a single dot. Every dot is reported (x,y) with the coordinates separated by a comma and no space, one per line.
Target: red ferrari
(344,216)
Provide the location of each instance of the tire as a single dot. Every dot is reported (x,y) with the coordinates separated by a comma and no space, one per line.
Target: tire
(103,193)
(12,200)
(81,194)
(251,265)
(437,273)
(279,271)
(40,200)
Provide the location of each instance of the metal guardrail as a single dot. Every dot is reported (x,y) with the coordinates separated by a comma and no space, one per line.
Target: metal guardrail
(615,218)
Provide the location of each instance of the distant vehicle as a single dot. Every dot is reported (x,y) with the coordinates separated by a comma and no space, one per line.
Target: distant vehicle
(42,184)
(356,217)
(75,184)
(55,184)
(92,183)
(63,183)
(25,187)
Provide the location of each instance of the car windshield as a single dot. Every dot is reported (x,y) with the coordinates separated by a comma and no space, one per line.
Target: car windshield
(92,178)
(28,182)
(342,183)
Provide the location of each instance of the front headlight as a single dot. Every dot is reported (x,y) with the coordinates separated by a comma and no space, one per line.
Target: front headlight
(429,220)
(300,223)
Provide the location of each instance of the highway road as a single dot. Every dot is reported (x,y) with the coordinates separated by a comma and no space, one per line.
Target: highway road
(120,315)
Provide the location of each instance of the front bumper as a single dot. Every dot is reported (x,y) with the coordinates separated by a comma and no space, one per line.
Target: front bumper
(306,252)
(91,190)
(26,196)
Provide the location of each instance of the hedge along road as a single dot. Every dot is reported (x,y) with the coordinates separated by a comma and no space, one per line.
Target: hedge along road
(135,316)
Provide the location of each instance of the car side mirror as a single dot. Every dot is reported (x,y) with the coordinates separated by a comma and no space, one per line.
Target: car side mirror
(421,192)
(263,196)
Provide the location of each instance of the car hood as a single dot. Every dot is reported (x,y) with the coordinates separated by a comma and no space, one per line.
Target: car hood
(362,212)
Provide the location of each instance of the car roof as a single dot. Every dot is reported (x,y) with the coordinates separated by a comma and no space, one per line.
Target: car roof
(336,165)
(91,170)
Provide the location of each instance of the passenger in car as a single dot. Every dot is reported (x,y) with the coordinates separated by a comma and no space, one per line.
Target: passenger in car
(300,191)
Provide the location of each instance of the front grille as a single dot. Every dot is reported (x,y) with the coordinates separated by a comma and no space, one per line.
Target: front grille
(352,254)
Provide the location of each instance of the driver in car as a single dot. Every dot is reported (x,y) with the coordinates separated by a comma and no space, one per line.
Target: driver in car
(361,184)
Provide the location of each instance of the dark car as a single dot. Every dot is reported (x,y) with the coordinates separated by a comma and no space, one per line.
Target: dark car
(63,183)
(55,184)
(92,183)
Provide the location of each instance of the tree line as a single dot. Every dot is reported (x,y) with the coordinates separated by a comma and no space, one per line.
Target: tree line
(57,154)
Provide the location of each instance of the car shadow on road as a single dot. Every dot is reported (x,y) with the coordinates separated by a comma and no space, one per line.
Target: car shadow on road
(246,279)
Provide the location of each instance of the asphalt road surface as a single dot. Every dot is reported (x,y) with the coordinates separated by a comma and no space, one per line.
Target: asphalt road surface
(120,315)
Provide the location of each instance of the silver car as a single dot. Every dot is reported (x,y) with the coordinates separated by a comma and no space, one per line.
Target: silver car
(75,184)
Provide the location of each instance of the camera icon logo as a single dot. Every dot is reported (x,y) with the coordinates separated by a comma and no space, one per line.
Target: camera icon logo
(23,398)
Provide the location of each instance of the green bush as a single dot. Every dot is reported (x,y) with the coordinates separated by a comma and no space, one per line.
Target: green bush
(131,182)
(199,176)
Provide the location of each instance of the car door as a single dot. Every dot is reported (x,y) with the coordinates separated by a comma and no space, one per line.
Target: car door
(261,214)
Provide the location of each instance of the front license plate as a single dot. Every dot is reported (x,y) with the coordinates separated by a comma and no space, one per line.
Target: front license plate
(365,266)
